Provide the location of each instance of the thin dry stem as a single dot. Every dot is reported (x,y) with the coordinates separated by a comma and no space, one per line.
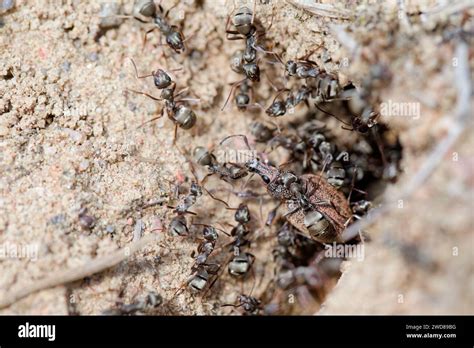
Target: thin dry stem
(58,278)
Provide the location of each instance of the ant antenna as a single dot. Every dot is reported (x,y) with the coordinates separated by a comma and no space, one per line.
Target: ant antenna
(237,135)
(330,114)
(234,85)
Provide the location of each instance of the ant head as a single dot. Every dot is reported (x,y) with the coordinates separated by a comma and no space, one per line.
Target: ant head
(288,178)
(209,233)
(162,79)
(242,215)
(195,189)
(175,41)
(290,67)
(277,108)
(266,172)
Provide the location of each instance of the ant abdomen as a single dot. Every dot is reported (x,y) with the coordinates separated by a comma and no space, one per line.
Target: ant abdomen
(185,117)
(243,20)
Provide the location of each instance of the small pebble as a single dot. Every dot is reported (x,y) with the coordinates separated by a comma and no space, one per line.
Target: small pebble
(7,5)
(86,221)
(93,57)
(83,165)
(3,131)
(138,230)
(110,229)
(108,11)
(57,219)
(66,66)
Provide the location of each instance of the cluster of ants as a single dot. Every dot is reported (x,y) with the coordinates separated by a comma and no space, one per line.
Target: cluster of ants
(319,194)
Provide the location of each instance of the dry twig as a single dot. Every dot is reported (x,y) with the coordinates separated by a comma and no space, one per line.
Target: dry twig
(325,10)
(97,265)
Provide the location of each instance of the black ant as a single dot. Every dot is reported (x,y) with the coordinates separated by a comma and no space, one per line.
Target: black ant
(182,116)
(202,270)
(178,225)
(241,261)
(148,8)
(301,68)
(250,304)
(201,276)
(151,300)
(205,248)
(243,97)
(243,21)
(226,171)
(279,108)
(261,132)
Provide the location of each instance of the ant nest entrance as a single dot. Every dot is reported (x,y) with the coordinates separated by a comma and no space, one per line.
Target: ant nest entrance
(355,162)
(318,171)
(286,261)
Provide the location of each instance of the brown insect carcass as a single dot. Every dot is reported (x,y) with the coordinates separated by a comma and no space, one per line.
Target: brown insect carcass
(315,207)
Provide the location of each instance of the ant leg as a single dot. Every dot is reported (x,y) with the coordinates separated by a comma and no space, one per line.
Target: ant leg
(253,11)
(309,54)
(175,136)
(231,305)
(237,135)
(215,198)
(168,11)
(145,94)
(184,90)
(127,17)
(284,164)
(146,35)
(189,37)
(278,90)
(291,212)
(234,85)
(136,71)
(352,185)
(234,38)
(205,178)
(151,120)
(269,27)
(271,20)
(330,114)
(379,145)
(272,214)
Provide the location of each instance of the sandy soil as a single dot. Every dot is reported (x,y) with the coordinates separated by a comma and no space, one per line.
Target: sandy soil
(70,147)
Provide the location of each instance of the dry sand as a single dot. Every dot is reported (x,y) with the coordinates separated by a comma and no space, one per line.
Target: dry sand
(69,141)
